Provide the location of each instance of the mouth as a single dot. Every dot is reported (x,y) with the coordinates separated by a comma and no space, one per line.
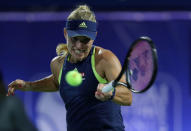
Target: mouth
(79,52)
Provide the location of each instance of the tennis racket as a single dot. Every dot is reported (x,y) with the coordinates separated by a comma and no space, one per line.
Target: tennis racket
(140,67)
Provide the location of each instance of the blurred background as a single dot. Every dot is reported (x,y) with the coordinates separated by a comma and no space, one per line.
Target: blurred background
(30,31)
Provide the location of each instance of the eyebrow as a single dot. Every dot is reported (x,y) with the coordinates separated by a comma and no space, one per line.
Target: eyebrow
(81,37)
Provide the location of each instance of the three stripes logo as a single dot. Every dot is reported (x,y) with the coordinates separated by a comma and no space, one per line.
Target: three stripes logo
(83,25)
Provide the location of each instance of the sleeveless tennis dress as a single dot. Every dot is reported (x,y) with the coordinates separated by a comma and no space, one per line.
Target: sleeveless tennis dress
(84,111)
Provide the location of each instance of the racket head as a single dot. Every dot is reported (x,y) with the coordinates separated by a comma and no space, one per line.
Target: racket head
(141,65)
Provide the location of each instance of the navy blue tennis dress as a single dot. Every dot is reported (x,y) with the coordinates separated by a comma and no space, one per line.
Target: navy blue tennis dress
(84,111)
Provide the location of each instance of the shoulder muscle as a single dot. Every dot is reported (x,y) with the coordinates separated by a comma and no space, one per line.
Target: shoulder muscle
(110,64)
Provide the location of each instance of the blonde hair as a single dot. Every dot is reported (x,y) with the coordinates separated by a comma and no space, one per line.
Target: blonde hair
(82,12)
(62,49)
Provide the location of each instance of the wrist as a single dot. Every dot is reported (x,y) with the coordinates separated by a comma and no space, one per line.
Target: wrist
(27,86)
(113,94)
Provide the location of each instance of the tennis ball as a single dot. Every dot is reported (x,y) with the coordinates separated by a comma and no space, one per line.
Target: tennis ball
(73,78)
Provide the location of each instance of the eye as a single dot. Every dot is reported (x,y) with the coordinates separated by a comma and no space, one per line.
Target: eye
(73,39)
(85,40)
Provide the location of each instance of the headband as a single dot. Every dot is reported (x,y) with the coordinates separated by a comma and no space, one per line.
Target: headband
(81,28)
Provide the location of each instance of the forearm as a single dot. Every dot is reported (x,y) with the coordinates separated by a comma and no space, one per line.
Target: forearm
(123,96)
(44,84)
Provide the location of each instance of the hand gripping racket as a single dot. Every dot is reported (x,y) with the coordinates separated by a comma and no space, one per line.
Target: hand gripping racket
(140,67)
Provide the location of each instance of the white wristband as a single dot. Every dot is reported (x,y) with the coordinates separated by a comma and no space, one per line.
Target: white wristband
(107,88)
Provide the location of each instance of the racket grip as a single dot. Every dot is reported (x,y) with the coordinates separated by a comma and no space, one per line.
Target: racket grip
(107,88)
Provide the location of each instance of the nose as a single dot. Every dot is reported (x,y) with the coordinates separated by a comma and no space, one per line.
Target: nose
(78,44)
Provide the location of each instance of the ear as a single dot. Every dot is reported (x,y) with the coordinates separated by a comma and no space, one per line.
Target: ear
(65,33)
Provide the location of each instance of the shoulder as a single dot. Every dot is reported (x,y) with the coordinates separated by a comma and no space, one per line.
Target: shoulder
(107,63)
(56,65)
(105,55)
(58,60)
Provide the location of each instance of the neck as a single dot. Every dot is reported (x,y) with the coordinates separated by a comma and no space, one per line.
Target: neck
(74,60)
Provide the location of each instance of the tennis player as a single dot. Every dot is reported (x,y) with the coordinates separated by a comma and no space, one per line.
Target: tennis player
(87,107)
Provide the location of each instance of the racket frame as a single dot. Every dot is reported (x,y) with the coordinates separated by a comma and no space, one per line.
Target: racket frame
(127,71)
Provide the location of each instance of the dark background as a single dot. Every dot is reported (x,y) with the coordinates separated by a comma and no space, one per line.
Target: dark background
(103,5)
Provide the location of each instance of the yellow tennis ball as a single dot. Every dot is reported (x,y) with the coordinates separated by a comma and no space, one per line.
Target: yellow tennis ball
(73,78)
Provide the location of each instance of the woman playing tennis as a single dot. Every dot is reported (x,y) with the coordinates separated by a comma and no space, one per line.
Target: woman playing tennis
(88,108)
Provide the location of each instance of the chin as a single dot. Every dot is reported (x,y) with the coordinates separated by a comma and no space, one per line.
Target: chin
(79,57)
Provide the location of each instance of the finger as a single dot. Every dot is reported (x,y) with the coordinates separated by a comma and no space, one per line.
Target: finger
(100,96)
(96,95)
(13,84)
(106,95)
(98,92)
(100,86)
(8,94)
(16,84)
(10,84)
(20,83)
(10,91)
(13,91)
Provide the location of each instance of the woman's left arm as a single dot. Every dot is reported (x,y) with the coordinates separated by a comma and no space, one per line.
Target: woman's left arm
(112,67)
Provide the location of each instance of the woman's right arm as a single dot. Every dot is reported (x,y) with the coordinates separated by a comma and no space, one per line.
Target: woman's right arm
(47,84)
(44,84)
